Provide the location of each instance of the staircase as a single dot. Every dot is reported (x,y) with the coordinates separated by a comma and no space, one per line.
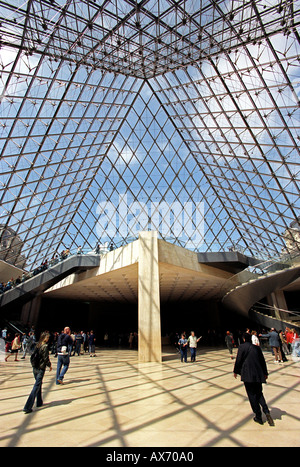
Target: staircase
(245,289)
(264,313)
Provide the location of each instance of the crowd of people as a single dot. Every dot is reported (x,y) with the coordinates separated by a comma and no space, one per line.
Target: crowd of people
(249,362)
(83,342)
(281,343)
(61,345)
(24,343)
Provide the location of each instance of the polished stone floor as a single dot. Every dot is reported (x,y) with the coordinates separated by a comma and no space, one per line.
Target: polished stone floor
(114,401)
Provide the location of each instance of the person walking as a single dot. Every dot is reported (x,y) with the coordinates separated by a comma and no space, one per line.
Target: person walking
(24,341)
(289,339)
(15,347)
(274,342)
(8,341)
(39,360)
(130,340)
(183,344)
(78,343)
(193,341)
(92,344)
(86,342)
(294,338)
(284,344)
(251,366)
(229,343)
(64,342)
(26,344)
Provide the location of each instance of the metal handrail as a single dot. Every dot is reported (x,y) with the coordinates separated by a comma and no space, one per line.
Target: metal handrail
(270,307)
(52,263)
(249,273)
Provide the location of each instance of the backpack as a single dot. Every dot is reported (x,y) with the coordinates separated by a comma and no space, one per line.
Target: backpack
(35,358)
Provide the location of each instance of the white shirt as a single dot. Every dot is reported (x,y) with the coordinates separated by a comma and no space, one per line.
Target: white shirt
(255,340)
(193,341)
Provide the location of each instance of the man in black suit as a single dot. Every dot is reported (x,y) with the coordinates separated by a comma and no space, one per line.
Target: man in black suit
(251,365)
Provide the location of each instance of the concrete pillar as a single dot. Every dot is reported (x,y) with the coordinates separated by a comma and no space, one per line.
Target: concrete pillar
(30,311)
(93,317)
(149,299)
(277,300)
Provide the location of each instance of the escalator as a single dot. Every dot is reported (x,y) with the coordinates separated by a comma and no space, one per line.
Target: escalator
(36,285)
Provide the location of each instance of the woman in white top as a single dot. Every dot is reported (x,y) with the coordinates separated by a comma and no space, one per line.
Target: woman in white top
(254,338)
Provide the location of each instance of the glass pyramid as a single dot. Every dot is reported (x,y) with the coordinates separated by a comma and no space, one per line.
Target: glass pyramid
(120,116)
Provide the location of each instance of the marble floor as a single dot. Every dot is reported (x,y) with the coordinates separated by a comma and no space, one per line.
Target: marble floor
(114,401)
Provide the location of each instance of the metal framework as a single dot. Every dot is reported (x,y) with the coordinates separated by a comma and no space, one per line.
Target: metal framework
(164,101)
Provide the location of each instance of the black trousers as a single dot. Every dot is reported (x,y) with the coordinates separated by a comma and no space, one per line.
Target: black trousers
(256,398)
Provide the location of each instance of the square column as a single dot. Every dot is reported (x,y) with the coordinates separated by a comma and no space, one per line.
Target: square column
(31,310)
(277,300)
(149,299)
